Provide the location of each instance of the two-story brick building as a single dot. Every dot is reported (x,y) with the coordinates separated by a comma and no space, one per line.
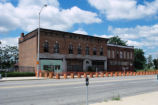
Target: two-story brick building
(65,52)
(120,58)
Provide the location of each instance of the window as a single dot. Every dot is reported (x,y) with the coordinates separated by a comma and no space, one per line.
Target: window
(46,46)
(124,54)
(94,51)
(57,67)
(79,49)
(70,49)
(87,50)
(108,53)
(48,67)
(101,51)
(131,55)
(121,55)
(113,54)
(56,47)
(127,55)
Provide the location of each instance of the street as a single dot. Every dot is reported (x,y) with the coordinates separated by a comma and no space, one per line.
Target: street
(73,91)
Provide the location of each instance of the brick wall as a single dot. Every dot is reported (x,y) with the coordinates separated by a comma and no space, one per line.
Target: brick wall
(118,61)
(65,39)
(27,52)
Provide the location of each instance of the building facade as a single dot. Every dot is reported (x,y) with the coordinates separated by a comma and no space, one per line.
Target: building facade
(120,58)
(65,52)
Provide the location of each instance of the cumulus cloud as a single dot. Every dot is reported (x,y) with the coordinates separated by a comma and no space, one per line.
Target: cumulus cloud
(104,36)
(81,31)
(139,36)
(12,41)
(25,16)
(125,9)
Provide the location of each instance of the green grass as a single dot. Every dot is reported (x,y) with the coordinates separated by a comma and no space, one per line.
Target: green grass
(116,98)
(18,74)
(145,70)
(105,100)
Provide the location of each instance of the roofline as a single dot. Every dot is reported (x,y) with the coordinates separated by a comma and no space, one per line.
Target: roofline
(131,47)
(43,29)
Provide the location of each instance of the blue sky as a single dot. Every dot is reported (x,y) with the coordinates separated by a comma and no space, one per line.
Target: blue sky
(135,21)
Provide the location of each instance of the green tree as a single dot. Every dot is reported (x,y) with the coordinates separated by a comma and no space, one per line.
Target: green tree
(149,62)
(117,41)
(155,61)
(8,56)
(139,59)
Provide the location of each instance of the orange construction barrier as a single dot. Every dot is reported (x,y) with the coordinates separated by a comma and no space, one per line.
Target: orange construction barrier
(96,74)
(120,74)
(111,74)
(107,74)
(65,76)
(124,73)
(79,75)
(116,74)
(127,74)
(131,73)
(72,75)
(40,74)
(85,75)
(91,75)
(57,76)
(50,74)
(102,74)
(45,74)
(134,73)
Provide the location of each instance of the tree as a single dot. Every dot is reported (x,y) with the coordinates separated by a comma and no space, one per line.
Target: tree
(117,41)
(8,56)
(139,59)
(155,61)
(149,62)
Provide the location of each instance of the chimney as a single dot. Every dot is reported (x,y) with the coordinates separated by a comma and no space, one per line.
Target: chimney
(22,35)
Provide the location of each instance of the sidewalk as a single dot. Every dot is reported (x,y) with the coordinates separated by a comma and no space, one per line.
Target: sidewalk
(143,99)
(19,78)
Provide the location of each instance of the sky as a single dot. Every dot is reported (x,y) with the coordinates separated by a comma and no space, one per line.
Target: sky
(135,21)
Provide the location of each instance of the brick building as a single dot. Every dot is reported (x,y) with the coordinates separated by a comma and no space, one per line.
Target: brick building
(66,52)
(120,58)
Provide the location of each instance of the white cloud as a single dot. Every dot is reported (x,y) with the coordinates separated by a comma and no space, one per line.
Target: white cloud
(139,36)
(125,9)
(104,36)
(12,41)
(81,31)
(25,16)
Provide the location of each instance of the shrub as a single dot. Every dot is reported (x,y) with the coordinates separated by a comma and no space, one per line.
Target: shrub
(18,74)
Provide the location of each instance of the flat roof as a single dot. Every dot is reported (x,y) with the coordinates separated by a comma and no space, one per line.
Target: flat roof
(68,33)
(131,47)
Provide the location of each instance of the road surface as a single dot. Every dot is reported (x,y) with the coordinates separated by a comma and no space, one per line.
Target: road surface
(73,91)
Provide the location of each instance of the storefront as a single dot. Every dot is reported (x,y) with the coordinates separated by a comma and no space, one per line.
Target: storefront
(51,65)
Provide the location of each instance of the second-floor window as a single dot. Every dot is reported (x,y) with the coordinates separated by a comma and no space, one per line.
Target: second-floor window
(46,46)
(56,47)
(87,50)
(94,51)
(121,55)
(101,51)
(124,54)
(109,53)
(79,49)
(70,49)
(113,54)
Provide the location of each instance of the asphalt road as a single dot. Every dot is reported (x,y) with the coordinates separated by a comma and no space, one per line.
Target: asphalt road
(73,91)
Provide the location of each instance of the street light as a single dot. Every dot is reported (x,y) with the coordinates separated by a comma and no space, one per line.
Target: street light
(39,41)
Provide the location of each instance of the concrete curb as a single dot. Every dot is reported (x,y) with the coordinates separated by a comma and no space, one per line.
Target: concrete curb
(1,80)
